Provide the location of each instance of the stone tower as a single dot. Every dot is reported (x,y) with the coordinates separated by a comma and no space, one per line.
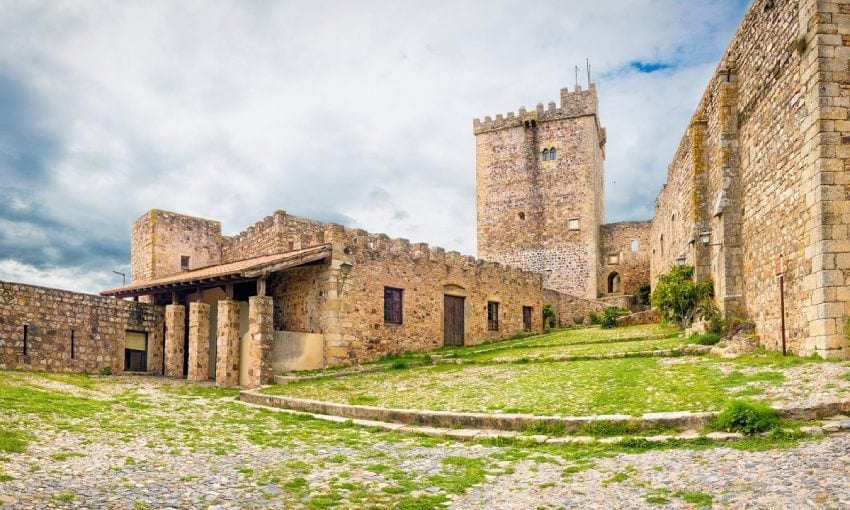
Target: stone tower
(540,192)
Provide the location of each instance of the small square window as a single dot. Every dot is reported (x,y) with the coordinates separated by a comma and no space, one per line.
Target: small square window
(392,305)
(573,224)
(492,316)
(184,262)
(634,245)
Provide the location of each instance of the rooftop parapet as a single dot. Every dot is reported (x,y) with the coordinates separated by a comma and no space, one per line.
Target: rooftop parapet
(573,104)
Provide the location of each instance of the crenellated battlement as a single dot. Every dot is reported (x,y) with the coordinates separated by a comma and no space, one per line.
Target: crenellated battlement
(573,104)
(361,245)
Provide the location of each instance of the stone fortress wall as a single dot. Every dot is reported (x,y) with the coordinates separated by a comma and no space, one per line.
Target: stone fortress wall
(763,168)
(58,330)
(525,204)
(624,252)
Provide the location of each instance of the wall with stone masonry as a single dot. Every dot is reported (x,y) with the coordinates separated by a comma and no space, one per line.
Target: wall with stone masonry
(98,324)
(363,264)
(278,233)
(159,238)
(616,255)
(572,310)
(299,295)
(524,204)
(763,167)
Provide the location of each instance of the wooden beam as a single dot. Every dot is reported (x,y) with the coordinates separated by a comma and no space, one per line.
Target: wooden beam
(267,270)
(261,287)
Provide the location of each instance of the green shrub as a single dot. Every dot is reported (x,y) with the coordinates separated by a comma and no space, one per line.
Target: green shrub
(398,365)
(746,417)
(677,296)
(714,317)
(594,319)
(609,316)
(706,338)
(106,371)
(550,319)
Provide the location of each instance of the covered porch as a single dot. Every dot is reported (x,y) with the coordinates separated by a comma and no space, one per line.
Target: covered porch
(219,320)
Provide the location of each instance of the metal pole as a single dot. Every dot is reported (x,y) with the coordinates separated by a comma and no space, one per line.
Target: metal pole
(782,309)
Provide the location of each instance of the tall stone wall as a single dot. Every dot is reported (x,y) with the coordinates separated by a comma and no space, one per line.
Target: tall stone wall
(525,204)
(363,264)
(617,255)
(763,168)
(159,239)
(52,317)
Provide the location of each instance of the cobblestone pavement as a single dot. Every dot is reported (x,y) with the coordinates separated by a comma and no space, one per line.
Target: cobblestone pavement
(147,443)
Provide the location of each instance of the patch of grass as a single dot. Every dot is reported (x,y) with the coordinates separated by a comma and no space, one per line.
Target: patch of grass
(362,400)
(65,456)
(658,496)
(194,390)
(62,497)
(459,473)
(705,338)
(700,499)
(13,441)
(746,417)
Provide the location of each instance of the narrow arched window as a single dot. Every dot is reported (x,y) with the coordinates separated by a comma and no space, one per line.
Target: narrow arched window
(545,154)
(552,153)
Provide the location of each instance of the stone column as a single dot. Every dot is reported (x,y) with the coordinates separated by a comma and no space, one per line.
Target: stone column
(227,344)
(175,333)
(199,341)
(261,331)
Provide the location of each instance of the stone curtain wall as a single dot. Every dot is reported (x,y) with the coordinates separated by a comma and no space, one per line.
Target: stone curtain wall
(363,264)
(299,297)
(633,267)
(524,204)
(763,168)
(572,310)
(98,326)
(159,238)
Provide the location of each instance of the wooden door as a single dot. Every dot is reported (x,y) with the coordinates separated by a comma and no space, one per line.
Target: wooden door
(453,320)
(526,318)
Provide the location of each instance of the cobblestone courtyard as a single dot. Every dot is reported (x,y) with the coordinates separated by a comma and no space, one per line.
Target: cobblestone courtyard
(73,441)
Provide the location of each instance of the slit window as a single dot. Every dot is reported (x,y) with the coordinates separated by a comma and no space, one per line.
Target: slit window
(492,316)
(184,262)
(26,337)
(392,305)
(72,344)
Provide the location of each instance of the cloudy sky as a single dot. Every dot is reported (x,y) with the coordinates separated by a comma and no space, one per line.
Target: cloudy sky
(355,112)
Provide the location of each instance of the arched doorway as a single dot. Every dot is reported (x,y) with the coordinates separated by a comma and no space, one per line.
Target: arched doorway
(614,283)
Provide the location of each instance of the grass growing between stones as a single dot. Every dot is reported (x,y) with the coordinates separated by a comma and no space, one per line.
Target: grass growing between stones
(190,445)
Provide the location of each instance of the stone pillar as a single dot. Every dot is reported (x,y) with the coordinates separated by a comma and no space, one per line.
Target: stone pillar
(227,344)
(261,331)
(175,333)
(199,341)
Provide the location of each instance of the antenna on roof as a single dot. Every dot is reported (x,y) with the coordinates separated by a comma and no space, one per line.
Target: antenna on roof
(576,76)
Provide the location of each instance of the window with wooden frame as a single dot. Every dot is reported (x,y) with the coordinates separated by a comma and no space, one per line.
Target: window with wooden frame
(392,305)
(493,316)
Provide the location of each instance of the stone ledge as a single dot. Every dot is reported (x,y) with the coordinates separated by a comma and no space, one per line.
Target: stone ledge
(290,379)
(484,434)
(681,420)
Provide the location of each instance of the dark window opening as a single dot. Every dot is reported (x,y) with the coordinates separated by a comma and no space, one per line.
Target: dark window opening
(492,316)
(135,351)
(552,154)
(545,154)
(521,216)
(72,344)
(392,305)
(614,283)
(26,337)
(184,262)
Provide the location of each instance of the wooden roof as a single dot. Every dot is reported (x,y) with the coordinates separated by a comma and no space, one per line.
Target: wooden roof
(233,272)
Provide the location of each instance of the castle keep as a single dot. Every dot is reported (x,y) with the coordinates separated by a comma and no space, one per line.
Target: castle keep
(540,200)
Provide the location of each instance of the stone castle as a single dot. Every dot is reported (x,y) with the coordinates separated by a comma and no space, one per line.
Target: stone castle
(758,188)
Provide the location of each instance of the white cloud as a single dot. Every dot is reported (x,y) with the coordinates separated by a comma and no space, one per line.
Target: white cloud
(230,110)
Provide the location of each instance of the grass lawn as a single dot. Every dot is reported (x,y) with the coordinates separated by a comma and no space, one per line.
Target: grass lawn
(631,385)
